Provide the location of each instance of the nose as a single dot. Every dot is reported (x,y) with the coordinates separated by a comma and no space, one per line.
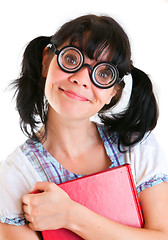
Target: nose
(81,77)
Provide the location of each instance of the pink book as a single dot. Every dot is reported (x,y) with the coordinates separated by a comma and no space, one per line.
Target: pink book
(110,193)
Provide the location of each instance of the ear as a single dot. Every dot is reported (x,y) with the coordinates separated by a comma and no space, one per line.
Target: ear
(47,57)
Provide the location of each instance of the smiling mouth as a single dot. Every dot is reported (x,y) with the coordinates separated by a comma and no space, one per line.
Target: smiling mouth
(74,95)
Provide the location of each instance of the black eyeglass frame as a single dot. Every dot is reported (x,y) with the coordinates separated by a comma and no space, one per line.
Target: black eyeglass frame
(92,75)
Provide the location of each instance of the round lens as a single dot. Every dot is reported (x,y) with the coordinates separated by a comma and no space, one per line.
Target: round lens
(105,75)
(70,59)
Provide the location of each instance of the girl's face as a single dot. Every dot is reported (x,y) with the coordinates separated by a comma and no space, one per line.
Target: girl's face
(73,95)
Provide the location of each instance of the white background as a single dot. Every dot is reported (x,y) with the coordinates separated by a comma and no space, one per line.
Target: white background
(145,21)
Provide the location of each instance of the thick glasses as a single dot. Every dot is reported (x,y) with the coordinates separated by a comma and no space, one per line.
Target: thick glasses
(71,59)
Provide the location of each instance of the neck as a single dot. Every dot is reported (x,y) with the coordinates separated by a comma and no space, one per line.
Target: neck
(68,136)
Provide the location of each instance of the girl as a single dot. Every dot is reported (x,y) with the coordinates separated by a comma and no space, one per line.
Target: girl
(66,79)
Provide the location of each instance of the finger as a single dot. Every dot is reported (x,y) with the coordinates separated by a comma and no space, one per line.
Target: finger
(40,186)
(34,228)
(26,199)
(26,209)
(28,218)
(30,197)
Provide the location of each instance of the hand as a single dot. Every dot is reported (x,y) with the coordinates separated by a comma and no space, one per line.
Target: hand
(47,209)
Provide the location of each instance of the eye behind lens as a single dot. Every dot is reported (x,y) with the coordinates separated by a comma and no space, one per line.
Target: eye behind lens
(70,59)
(104,75)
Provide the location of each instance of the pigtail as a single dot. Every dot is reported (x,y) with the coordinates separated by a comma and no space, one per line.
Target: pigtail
(140,116)
(30,87)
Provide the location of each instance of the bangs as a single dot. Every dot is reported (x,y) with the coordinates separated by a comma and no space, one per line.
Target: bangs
(91,44)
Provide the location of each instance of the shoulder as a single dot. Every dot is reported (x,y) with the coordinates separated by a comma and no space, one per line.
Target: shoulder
(148,162)
(17,177)
(18,164)
(147,152)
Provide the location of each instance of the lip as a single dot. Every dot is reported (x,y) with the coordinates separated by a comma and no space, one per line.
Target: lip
(75,95)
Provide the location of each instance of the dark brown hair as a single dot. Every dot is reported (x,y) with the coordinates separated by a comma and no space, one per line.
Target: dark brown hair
(93,34)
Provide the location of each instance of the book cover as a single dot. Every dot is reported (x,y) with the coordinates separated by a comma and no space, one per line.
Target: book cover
(110,193)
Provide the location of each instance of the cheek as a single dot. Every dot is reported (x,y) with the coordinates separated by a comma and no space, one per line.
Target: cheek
(104,96)
(55,75)
(52,78)
(52,71)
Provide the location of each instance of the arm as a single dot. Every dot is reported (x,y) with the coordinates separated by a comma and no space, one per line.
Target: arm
(65,213)
(8,232)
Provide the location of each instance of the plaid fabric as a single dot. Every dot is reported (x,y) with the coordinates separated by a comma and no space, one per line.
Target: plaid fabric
(152,182)
(51,171)
(14,221)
